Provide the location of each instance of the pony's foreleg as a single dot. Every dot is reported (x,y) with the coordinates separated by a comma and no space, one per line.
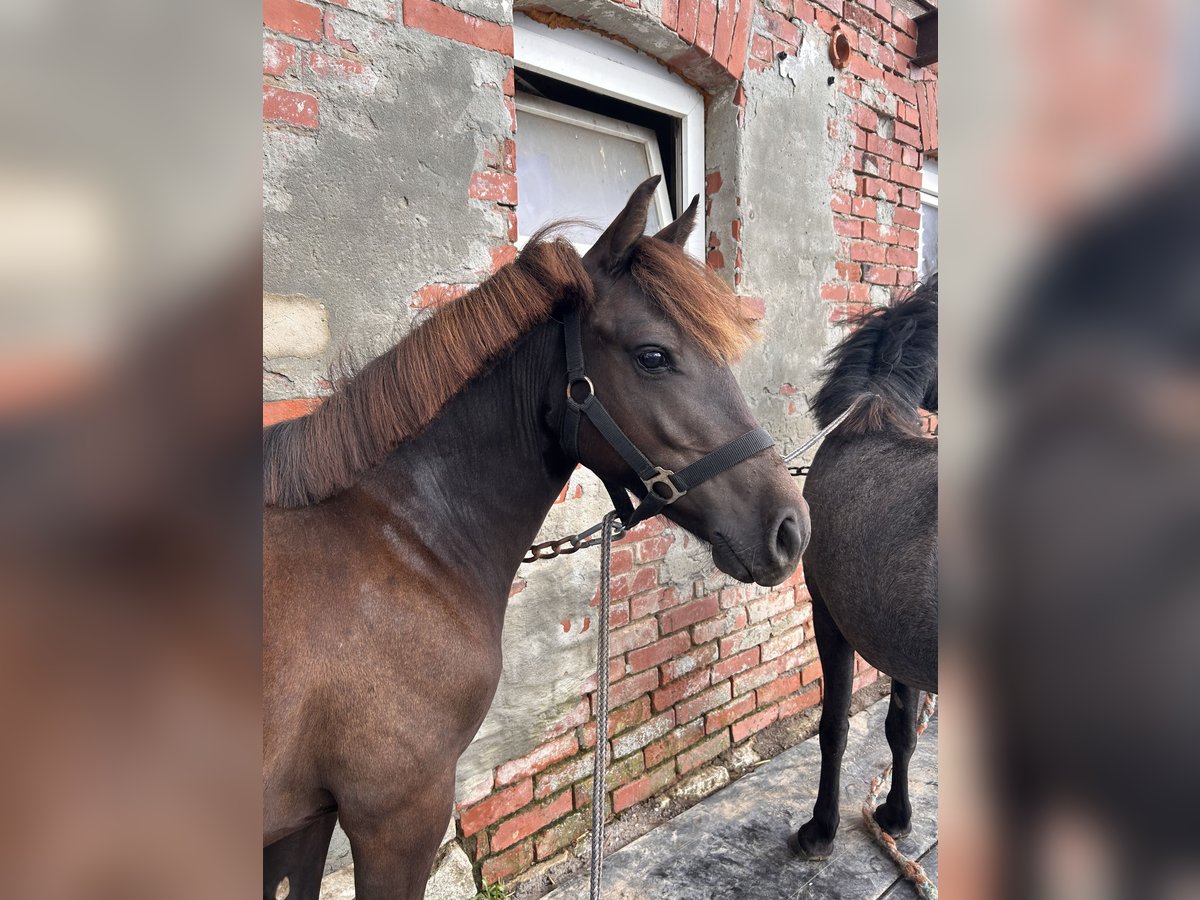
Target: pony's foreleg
(895,814)
(814,840)
(300,858)
(395,845)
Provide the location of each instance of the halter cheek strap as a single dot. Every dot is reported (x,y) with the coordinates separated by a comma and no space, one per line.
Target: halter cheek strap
(663,487)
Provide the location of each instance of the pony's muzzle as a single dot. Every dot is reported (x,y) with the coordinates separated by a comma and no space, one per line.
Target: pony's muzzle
(790,537)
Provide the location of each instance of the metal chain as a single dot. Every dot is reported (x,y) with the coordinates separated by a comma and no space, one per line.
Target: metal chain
(573,543)
(600,757)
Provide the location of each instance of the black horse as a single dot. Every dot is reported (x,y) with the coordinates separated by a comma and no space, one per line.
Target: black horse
(872,563)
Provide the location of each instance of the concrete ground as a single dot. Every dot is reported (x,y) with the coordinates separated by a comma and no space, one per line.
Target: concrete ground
(733,843)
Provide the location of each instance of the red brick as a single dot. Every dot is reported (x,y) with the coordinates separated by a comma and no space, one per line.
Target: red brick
(780,687)
(622,562)
(628,689)
(781,27)
(901,256)
(731,712)
(732,620)
(443,21)
(670,745)
(864,117)
(880,275)
(865,207)
(686,26)
(910,198)
(909,218)
(698,658)
(840,202)
(724,32)
(496,186)
(702,752)
(618,774)
(810,673)
(496,807)
(278,56)
(554,780)
(507,864)
(677,690)
(302,20)
(639,737)
(689,613)
(622,718)
(800,702)
(884,234)
(752,678)
(283,410)
(640,634)
(653,601)
(847,227)
(770,605)
(522,826)
(741,38)
(726,668)
(654,548)
(545,755)
(647,786)
(743,640)
(907,177)
(289,107)
(658,652)
(627,585)
(782,643)
(754,724)
(706,25)
(760,48)
(702,703)
(908,236)
(863,251)
(849,271)
(906,134)
(737,595)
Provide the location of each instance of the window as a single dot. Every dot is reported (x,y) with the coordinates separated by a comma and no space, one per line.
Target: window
(928,241)
(595,119)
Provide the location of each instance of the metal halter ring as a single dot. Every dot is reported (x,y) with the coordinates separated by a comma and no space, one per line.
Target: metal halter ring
(663,477)
(571,401)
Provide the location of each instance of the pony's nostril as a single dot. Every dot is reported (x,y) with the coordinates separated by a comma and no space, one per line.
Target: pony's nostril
(789,541)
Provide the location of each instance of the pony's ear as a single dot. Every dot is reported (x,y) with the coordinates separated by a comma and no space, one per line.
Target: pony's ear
(611,252)
(678,231)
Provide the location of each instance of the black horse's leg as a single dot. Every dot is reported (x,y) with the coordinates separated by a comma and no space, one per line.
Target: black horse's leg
(814,840)
(300,858)
(895,814)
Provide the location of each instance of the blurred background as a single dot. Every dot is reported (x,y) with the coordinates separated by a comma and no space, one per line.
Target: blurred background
(130,276)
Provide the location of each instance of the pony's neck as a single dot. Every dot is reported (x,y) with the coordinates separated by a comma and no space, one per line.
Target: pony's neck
(477,483)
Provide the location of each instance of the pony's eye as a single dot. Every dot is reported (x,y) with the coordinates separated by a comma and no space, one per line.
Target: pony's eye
(654,360)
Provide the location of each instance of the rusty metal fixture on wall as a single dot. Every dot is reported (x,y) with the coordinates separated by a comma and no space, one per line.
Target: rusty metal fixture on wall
(839,48)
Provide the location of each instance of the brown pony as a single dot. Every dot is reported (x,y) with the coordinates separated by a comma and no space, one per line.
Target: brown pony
(398,512)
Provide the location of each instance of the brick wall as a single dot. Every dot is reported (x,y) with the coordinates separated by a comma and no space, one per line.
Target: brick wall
(697,665)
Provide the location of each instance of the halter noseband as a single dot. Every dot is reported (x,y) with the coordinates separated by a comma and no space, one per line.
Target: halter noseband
(663,487)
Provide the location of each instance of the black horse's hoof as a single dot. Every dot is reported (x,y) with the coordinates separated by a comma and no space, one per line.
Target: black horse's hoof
(894,823)
(808,844)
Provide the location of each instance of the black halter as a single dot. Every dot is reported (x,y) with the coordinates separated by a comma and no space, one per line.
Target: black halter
(663,487)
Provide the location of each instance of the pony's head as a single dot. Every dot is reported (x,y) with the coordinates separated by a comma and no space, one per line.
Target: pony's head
(658,336)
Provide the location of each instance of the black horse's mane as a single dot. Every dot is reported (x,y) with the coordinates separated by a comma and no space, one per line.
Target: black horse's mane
(890,357)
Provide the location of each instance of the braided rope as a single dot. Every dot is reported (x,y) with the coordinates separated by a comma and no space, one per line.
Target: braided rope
(910,868)
(600,759)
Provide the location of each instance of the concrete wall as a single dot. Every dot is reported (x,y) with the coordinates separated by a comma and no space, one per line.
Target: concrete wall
(390,184)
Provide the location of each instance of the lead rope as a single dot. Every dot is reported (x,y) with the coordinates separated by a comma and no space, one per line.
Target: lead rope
(911,869)
(600,758)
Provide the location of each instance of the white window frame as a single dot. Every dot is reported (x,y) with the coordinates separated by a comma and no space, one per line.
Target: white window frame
(929,197)
(581,118)
(606,67)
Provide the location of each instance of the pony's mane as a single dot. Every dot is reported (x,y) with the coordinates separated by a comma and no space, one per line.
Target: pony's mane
(694,297)
(883,366)
(396,395)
